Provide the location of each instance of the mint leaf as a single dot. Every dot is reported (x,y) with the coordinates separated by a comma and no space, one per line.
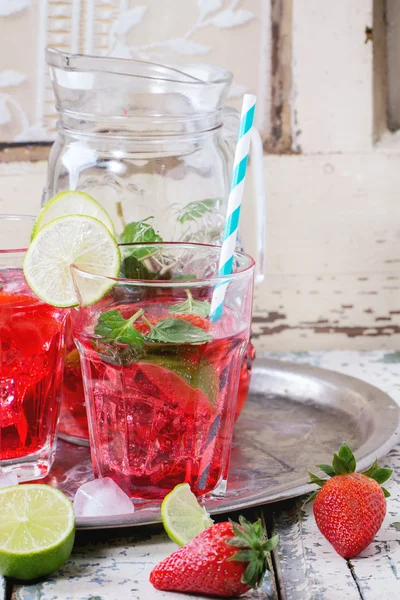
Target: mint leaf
(133,268)
(112,327)
(190,306)
(196,209)
(139,232)
(177,331)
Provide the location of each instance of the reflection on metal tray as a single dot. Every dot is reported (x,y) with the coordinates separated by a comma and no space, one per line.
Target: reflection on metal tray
(294,414)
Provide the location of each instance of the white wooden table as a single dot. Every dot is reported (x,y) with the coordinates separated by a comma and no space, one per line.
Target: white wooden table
(115,564)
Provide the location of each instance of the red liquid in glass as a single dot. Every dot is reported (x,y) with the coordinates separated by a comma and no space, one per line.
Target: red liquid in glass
(73,419)
(31,335)
(167,418)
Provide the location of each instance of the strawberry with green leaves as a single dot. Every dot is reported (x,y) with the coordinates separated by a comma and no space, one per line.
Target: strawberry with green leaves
(225,560)
(350,507)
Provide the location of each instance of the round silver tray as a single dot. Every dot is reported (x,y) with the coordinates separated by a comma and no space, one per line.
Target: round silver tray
(294,416)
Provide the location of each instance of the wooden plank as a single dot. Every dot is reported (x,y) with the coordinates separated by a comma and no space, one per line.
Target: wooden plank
(377,569)
(26,153)
(307,566)
(332,75)
(2,588)
(375,573)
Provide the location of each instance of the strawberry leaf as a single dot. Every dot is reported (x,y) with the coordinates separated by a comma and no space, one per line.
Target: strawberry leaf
(327,469)
(311,498)
(255,551)
(347,456)
(371,469)
(237,542)
(315,479)
(271,544)
(385,492)
(242,556)
(381,475)
(340,466)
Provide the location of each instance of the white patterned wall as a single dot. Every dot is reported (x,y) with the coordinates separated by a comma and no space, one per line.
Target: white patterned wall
(229,33)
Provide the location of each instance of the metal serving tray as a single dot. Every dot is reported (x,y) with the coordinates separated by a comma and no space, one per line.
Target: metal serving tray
(294,415)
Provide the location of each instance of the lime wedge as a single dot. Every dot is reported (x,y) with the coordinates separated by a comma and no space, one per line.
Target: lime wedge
(71,203)
(37,530)
(182,516)
(74,240)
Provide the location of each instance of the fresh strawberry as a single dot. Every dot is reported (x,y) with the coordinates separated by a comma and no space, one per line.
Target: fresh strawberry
(350,507)
(227,559)
(193,320)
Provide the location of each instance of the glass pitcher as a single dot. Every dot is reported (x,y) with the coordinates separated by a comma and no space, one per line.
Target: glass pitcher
(149,142)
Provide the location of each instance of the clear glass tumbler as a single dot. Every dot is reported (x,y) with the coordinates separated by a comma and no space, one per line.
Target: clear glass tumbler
(160,377)
(31,346)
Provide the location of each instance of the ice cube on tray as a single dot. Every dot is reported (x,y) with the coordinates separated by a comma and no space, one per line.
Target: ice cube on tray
(101,497)
(7,479)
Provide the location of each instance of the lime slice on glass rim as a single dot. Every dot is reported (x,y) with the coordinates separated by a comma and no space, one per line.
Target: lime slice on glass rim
(74,240)
(37,530)
(182,516)
(71,203)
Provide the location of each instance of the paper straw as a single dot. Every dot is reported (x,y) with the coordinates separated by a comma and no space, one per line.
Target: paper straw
(234,203)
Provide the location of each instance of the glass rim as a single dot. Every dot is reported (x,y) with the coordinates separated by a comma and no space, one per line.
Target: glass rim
(81,62)
(201,282)
(13,217)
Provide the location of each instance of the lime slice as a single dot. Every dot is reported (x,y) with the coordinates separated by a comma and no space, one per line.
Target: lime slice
(182,516)
(71,203)
(37,530)
(74,240)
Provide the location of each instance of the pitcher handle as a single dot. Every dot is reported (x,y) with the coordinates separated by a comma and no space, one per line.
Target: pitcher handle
(257,157)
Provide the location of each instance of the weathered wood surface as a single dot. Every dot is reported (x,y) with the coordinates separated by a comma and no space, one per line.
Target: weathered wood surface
(115,565)
(309,568)
(107,565)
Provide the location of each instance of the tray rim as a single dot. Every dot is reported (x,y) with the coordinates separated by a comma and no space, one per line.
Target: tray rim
(299,487)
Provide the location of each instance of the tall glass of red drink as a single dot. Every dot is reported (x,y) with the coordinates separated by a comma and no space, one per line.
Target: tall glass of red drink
(160,377)
(31,345)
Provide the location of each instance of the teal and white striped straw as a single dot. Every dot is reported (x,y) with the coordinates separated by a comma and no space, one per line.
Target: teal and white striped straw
(234,203)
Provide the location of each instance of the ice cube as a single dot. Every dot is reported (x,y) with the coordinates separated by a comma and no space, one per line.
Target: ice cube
(7,479)
(101,497)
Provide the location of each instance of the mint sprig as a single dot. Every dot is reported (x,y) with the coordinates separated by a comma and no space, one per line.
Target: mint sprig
(196,209)
(113,328)
(133,265)
(191,306)
(140,232)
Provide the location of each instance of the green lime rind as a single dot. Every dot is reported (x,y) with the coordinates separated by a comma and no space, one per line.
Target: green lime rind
(68,203)
(37,530)
(182,516)
(200,375)
(78,240)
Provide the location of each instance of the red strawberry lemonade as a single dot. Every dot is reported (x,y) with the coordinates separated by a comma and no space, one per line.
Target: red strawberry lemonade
(161,413)
(31,338)
(73,425)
